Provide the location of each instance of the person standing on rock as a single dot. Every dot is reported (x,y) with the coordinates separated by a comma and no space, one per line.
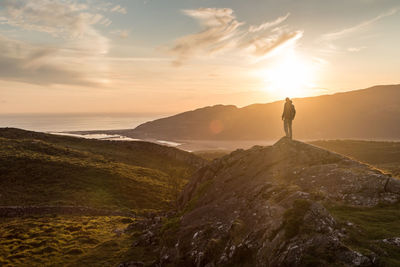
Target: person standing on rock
(289,112)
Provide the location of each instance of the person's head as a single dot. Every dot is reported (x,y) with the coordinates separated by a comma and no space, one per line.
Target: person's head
(287,99)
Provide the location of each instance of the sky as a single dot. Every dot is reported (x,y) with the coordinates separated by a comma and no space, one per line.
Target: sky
(159,56)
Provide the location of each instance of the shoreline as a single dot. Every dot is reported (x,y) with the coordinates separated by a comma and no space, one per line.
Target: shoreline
(186,145)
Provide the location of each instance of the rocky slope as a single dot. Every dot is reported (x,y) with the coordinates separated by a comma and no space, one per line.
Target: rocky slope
(266,206)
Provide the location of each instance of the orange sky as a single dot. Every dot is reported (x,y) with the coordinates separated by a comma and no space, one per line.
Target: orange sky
(153,57)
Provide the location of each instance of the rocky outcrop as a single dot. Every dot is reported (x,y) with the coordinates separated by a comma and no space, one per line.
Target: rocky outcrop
(266,207)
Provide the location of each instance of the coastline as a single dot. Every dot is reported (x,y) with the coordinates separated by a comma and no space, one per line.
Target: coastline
(187,145)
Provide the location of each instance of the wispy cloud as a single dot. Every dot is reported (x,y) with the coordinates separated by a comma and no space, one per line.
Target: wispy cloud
(220,27)
(264,46)
(119,9)
(222,32)
(347,31)
(268,24)
(58,18)
(22,62)
(356,49)
(63,19)
(121,33)
(71,21)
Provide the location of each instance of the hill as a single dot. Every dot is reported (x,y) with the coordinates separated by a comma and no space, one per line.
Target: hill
(382,155)
(68,201)
(372,113)
(43,169)
(290,204)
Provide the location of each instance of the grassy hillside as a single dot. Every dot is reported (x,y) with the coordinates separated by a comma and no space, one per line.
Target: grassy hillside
(372,231)
(383,155)
(63,241)
(144,154)
(42,169)
(38,169)
(211,154)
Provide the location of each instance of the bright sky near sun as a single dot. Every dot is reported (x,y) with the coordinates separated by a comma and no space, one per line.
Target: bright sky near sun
(170,56)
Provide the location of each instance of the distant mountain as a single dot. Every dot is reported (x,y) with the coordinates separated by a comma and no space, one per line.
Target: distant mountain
(38,169)
(372,113)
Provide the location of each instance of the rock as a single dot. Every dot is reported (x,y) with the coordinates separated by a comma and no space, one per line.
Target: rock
(395,241)
(132,264)
(264,207)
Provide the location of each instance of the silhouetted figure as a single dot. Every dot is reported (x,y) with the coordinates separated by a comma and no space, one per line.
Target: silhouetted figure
(289,112)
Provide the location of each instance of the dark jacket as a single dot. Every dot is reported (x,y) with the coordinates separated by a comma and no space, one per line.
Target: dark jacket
(289,112)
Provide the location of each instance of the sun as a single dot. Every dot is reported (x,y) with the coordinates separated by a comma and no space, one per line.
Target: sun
(290,76)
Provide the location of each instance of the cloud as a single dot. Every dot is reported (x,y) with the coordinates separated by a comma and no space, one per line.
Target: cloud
(221,32)
(26,63)
(119,9)
(121,33)
(268,24)
(63,19)
(68,20)
(347,31)
(54,17)
(220,27)
(356,49)
(262,47)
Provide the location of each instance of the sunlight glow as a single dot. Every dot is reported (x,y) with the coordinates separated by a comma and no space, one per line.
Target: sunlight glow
(291,76)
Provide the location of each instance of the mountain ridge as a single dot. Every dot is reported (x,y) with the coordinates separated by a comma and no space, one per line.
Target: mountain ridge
(348,114)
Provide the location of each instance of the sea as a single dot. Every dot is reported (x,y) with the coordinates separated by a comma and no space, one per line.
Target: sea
(76,122)
(64,124)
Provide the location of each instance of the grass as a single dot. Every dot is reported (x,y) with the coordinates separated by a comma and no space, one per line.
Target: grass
(382,155)
(64,240)
(54,170)
(200,191)
(169,229)
(144,154)
(371,225)
(70,177)
(40,169)
(210,155)
(292,219)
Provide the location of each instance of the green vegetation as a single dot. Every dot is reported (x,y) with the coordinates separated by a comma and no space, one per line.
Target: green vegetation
(199,193)
(368,227)
(41,169)
(40,173)
(382,155)
(169,229)
(211,154)
(293,218)
(64,240)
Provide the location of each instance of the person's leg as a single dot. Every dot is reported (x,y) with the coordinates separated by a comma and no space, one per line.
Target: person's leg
(290,129)
(285,127)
